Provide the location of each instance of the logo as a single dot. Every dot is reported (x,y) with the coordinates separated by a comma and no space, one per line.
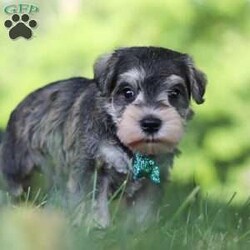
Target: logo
(20,24)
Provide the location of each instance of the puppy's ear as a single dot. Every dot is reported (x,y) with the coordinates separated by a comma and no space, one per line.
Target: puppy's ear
(104,72)
(198,81)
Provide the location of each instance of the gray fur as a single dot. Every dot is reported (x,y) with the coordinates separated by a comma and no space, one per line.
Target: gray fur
(68,129)
(198,81)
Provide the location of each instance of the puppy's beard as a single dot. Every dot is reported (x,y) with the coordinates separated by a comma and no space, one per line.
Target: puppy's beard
(165,140)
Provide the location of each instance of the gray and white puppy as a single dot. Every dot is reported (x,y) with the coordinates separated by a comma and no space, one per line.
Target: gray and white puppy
(138,101)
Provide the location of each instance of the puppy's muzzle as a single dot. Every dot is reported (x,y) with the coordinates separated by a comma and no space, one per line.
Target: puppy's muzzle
(150,124)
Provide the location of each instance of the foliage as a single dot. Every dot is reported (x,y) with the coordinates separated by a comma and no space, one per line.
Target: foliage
(216,147)
(185,221)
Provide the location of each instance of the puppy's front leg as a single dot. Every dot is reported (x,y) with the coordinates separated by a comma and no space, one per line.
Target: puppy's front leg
(100,206)
(143,206)
(115,157)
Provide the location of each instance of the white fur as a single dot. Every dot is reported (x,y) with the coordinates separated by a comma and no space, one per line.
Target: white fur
(133,76)
(169,135)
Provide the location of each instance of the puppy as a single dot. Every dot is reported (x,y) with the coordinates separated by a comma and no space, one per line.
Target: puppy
(79,131)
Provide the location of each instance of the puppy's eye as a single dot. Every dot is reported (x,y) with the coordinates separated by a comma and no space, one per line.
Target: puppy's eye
(175,93)
(128,93)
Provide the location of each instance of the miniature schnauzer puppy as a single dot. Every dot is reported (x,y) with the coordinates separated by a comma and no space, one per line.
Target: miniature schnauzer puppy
(79,131)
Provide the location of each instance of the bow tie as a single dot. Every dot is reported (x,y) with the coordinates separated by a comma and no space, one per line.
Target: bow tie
(143,166)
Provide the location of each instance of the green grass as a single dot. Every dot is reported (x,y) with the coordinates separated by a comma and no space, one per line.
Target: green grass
(186,220)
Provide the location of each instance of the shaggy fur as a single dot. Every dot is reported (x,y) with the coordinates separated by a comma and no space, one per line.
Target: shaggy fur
(138,101)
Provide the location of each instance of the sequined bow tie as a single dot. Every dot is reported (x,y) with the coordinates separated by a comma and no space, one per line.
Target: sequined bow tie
(143,166)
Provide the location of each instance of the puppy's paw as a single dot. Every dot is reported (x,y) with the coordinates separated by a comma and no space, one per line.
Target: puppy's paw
(116,158)
(122,163)
(99,221)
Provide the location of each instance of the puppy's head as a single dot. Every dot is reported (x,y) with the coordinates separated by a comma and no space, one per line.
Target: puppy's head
(148,92)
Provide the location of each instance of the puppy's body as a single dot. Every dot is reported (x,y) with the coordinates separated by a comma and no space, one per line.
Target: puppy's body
(138,101)
(47,128)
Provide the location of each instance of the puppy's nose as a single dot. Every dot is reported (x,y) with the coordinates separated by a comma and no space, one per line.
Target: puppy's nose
(150,124)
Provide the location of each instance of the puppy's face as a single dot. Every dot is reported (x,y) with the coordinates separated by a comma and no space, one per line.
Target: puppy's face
(147,94)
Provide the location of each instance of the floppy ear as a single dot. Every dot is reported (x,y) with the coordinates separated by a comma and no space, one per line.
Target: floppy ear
(104,71)
(197,81)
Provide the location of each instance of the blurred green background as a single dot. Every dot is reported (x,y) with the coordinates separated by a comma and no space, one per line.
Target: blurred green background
(71,34)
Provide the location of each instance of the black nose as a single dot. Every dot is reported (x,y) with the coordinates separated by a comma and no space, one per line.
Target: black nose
(150,124)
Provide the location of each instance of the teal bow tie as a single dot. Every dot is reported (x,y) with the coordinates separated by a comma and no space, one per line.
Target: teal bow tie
(145,167)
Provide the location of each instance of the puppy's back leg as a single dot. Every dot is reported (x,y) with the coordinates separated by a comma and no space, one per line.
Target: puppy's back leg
(16,165)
